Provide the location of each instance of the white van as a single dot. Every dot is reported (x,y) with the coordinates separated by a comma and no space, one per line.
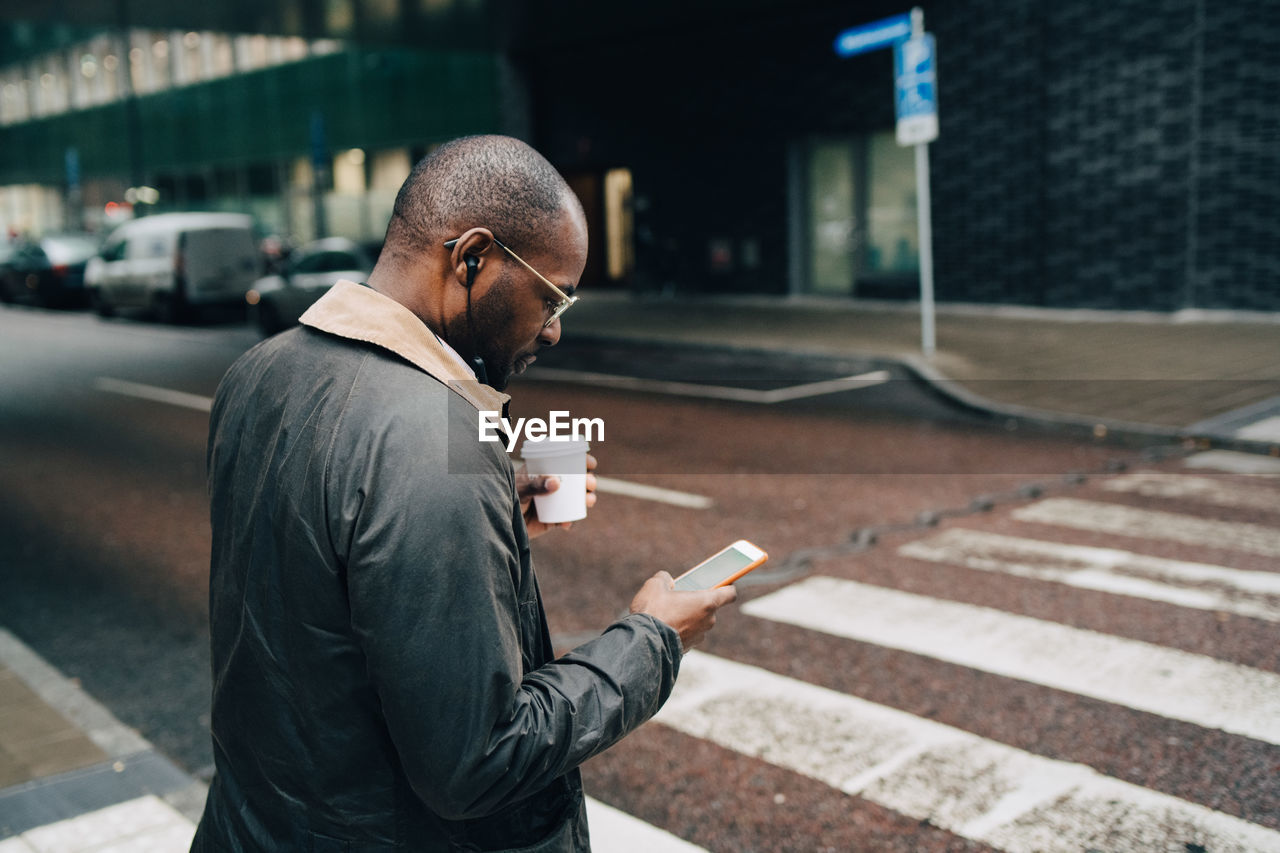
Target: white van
(175,264)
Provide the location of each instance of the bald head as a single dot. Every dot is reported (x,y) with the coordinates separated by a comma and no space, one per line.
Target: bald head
(476,294)
(478,181)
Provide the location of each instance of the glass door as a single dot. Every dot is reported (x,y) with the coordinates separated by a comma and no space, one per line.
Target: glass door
(858,210)
(832,225)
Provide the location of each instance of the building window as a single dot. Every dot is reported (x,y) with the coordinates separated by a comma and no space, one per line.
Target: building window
(14,103)
(618,224)
(349,173)
(108,66)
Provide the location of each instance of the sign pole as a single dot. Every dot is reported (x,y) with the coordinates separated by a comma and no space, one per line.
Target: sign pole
(916,108)
(924,218)
(925,225)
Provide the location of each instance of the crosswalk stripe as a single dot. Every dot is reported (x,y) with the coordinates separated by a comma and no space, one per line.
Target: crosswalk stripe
(1197,585)
(1153,524)
(1233,462)
(619,832)
(1154,484)
(1267,429)
(146,823)
(974,787)
(1172,683)
(149,822)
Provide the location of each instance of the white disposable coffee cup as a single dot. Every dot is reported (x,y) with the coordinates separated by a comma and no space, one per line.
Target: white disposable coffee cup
(565,459)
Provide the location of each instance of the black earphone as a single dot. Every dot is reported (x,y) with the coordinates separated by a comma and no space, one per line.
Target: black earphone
(473,266)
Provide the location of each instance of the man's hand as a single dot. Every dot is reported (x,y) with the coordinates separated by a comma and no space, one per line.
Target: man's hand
(692,614)
(527,488)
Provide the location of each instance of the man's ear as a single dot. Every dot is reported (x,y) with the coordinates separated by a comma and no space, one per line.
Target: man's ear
(467,254)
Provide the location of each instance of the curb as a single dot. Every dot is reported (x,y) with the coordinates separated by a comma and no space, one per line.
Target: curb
(134,768)
(1202,436)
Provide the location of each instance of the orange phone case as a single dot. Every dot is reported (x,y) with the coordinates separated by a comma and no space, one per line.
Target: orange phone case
(736,575)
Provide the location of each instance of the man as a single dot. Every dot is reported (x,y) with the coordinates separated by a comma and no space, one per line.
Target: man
(383,671)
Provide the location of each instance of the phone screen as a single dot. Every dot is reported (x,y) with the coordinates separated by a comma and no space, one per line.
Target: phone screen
(725,564)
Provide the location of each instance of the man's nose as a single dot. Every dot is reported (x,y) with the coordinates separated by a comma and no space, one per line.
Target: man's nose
(550,335)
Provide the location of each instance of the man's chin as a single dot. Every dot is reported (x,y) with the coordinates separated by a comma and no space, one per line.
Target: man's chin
(518,367)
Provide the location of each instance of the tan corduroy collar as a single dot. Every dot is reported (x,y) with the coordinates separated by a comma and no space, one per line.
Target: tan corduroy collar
(354,311)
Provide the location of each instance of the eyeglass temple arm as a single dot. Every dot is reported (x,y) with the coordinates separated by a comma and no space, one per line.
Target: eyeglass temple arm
(449,244)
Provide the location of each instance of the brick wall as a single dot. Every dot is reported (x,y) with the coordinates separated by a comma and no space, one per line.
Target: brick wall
(1117,155)
(1093,153)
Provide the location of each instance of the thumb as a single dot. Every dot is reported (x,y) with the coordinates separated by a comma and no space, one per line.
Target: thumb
(726,595)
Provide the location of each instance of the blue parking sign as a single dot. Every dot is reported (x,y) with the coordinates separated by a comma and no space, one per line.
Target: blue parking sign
(915,82)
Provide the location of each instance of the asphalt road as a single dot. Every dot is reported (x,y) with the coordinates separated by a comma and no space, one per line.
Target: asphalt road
(906,673)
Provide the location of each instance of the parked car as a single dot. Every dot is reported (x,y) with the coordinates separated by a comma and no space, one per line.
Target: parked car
(175,265)
(277,301)
(6,253)
(48,270)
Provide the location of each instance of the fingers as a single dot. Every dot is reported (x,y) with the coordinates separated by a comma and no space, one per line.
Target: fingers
(691,614)
(544,483)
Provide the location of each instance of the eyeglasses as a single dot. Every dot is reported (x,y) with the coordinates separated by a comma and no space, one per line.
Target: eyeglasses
(564,299)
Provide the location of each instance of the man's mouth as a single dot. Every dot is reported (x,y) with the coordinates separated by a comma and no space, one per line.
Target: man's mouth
(523,362)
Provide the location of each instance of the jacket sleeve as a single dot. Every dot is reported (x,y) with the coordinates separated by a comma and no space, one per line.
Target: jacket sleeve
(433,566)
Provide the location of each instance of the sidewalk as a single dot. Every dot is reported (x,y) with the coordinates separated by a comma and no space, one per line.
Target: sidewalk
(1192,374)
(73,778)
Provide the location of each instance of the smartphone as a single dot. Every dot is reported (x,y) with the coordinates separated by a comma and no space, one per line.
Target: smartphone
(723,568)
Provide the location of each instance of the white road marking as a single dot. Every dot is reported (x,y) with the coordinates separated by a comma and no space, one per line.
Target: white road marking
(1235,463)
(205,404)
(1197,585)
(1153,524)
(1154,484)
(150,824)
(974,787)
(1267,429)
(1168,682)
(711,392)
(147,823)
(828,386)
(652,493)
(153,393)
(619,832)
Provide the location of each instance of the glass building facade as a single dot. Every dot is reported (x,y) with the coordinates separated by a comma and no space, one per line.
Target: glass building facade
(1091,154)
(311,137)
